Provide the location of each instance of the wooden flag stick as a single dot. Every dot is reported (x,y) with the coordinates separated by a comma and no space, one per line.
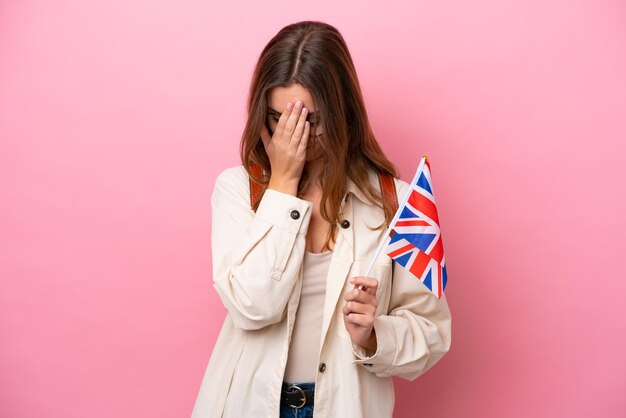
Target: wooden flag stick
(395,218)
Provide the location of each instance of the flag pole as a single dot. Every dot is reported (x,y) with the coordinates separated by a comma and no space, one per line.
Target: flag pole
(395,217)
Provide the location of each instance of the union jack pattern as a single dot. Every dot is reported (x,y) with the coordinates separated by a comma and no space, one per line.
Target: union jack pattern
(415,241)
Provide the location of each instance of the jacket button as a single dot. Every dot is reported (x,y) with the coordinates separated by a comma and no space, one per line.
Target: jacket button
(295,214)
(345,224)
(322,367)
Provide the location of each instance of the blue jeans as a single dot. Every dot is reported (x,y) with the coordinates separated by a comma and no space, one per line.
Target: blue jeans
(306,411)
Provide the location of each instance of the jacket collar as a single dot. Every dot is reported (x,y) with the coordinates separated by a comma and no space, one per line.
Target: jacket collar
(354,189)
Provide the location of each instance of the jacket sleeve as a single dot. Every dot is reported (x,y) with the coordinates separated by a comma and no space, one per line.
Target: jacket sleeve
(256,256)
(415,333)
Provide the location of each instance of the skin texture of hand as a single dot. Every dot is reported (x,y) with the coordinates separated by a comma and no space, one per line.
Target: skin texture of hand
(286,148)
(358,311)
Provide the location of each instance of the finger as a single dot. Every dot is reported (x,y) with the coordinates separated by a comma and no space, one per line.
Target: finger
(371,283)
(282,120)
(305,138)
(292,120)
(299,130)
(360,308)
(361,296)
(358,319)
(366,297)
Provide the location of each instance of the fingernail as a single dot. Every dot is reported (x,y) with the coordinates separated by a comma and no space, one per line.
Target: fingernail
(351,280)
(289,106)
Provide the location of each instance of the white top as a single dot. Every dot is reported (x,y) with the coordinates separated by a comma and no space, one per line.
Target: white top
(302,361)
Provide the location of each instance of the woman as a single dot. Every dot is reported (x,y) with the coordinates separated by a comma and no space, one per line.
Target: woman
(299,335)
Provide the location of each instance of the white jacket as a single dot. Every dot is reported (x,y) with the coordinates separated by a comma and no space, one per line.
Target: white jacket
(257,273)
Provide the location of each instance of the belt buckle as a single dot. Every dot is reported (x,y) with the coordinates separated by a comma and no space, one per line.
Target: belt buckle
(303,396)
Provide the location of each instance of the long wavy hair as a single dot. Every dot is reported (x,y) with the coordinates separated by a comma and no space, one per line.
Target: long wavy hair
(314,55)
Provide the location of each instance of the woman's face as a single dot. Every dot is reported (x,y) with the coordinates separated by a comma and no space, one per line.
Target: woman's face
(278,99)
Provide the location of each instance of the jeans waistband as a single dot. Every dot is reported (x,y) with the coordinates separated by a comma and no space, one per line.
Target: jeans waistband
(303,385)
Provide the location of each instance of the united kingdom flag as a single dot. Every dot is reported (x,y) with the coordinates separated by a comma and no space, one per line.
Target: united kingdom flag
(415,241)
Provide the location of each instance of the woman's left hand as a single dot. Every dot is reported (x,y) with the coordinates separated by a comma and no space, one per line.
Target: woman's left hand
(359,309)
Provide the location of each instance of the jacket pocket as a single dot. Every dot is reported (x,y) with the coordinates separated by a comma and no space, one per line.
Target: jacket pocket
(381,271)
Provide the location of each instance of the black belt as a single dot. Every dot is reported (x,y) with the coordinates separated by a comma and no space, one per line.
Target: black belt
(295,396)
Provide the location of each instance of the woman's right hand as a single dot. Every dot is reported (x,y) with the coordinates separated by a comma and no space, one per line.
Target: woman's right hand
(286,148)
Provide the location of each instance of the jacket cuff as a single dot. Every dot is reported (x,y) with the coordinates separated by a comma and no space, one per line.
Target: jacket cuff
(288,212)
(383,358)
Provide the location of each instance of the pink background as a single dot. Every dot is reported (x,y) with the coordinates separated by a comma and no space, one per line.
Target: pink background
(115,118)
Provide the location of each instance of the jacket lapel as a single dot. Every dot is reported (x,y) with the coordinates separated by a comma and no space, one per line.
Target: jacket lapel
(343,253)
(341,261)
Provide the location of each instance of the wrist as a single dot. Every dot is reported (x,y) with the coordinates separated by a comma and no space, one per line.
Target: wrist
(371,342)
(284,186)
